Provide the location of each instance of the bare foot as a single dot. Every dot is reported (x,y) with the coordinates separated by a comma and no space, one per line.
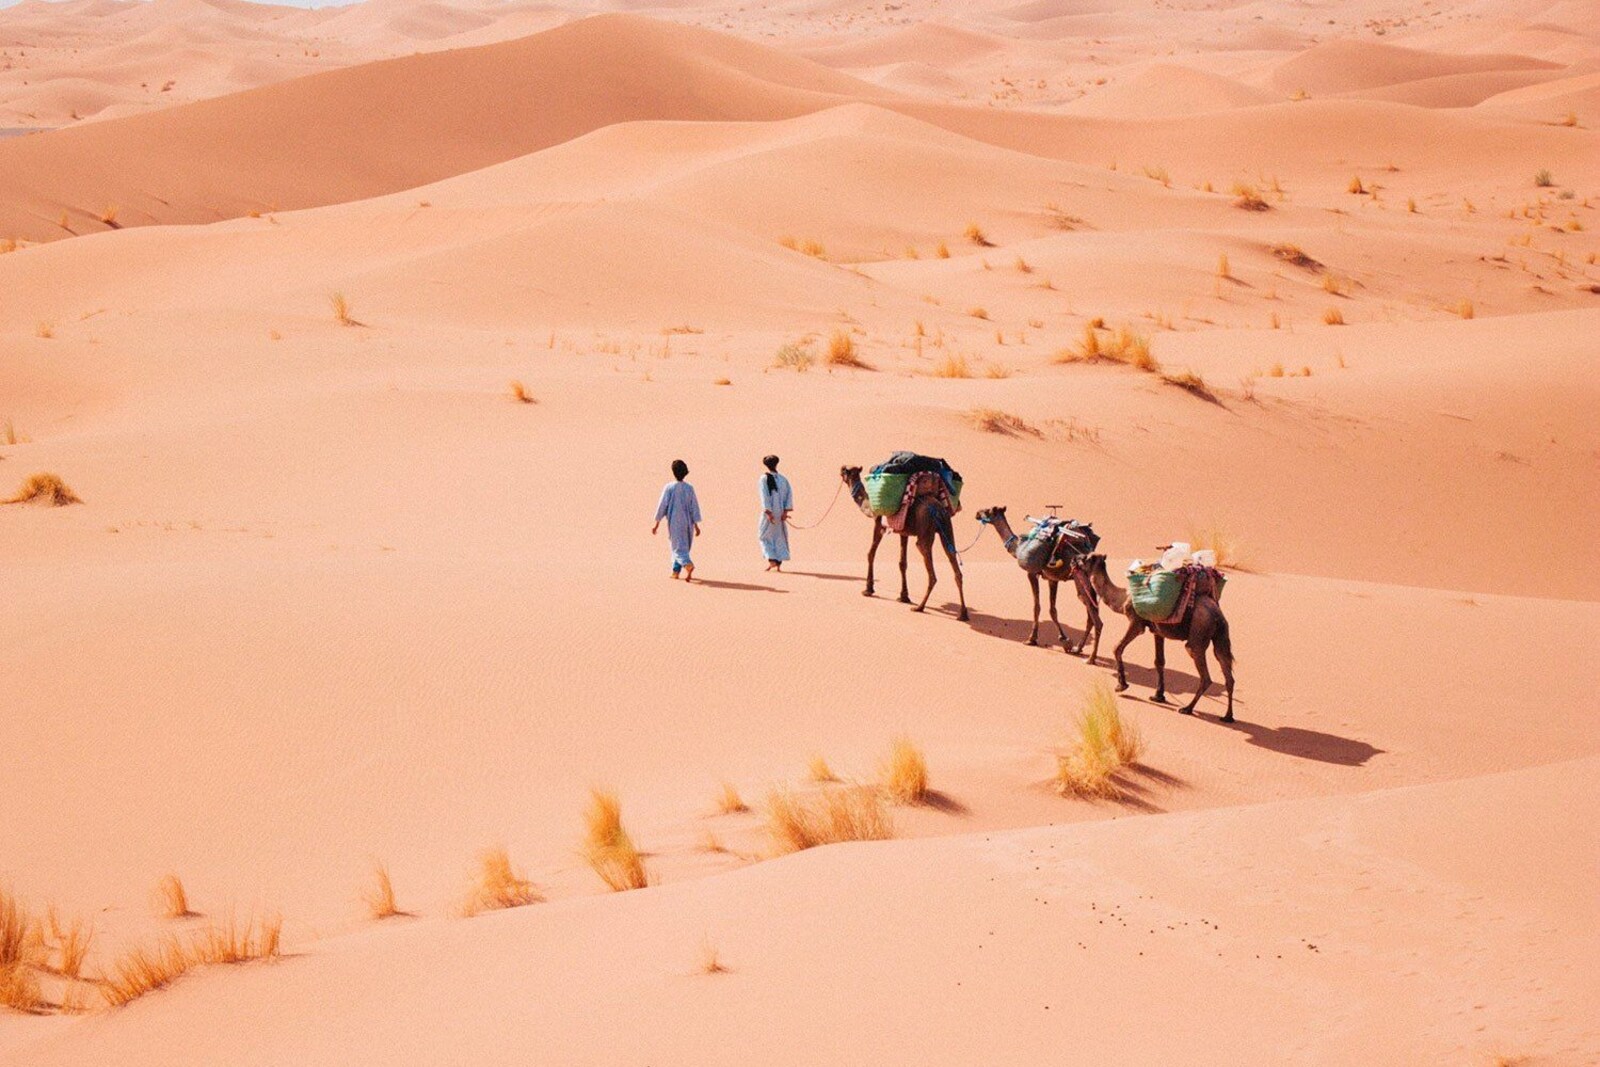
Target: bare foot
(688,574)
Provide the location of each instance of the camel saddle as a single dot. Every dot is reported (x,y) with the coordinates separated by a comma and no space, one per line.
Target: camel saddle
(1053,544)
(919,485)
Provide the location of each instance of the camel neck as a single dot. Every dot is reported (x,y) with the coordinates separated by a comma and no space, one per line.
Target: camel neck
(1112,593)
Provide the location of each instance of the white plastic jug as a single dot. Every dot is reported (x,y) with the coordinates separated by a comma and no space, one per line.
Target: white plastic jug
(1205,557)
(1174,557)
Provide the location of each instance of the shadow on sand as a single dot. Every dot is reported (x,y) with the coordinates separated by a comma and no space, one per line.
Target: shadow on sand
(742,587)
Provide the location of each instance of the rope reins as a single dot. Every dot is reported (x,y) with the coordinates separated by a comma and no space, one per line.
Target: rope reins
(825,513)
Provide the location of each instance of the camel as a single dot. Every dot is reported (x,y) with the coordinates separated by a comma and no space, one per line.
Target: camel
(925,519)
(1201,626)
(1067,568)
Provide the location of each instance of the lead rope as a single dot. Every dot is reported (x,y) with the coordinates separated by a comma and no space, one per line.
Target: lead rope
(825,514)
(975,540)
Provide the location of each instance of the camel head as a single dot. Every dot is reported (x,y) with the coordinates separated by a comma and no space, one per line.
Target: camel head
(1093,564)
(989,515)
(849,474)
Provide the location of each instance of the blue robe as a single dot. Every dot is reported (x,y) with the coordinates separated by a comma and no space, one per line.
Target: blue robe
(681,508)
(774,532)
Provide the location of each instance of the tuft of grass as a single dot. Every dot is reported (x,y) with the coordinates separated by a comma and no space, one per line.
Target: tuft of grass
(144,969)
(1249,198)
(500,885)
(108,215)
(1544,179)
(46,489)
(1332,285)
(19,990)
(795,357)
(1104,744)
(905,773)
(817,769)
(1122,346)
(44,330)
(978,313)
(520,394)
(341,310)
(1190,382)
(1023,266)
(73,941)
(1355,187)
(1465,309)
(1294,256)
(235,942)
(19,932)
(1411,205)
(842,351)
(723,381)
(1222,266)
(171,899)
(993,420)
(1332,317)
(974,234)
(729,802)
(607,846)
(852,813)
(1158,174)
(996,370)
(710,959)
(953,365)
(1219,539)
(379,896)
(942,250)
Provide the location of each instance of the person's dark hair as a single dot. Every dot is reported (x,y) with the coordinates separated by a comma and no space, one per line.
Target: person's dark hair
(680,469)
(771,463)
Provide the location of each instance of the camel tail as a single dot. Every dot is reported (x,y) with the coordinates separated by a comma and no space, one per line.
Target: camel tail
(1221,640)
(947,532)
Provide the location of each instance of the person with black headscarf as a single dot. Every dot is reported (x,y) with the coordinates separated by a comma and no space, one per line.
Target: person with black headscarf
(777,503)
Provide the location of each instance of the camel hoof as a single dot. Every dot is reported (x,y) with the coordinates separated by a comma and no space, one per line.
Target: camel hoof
(918,609)
(1185,711)
(1161,698)
(866,592)
(1228,717)
(963,617)
(905,600)
(1033,642)
(1122,687)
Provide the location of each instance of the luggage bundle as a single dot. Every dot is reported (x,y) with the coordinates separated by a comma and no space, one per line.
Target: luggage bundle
(1054,543)
(1162,592)
(886,483)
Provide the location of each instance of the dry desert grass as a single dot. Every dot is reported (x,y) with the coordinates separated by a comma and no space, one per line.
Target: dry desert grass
(499,885)
(171,899)
(1104,744)
(520,394)
(905,773)
(340,305)
(953,365)
(379,896)
(144,969)
(849,813)
(231,941)
(710,961)
(1190,382)
(1219,539)
(993,420)
(1122,346)
(842,351)
(817,770)
(796,357)
(607,846)
(47,490)
(729,802)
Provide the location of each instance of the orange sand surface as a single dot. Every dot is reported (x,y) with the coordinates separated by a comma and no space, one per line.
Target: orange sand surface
(334,598)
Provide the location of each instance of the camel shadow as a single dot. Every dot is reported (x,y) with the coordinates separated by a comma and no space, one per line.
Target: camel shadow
(743,587)
(1308,744)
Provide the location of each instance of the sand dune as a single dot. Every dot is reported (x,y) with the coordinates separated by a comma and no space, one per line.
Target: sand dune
(371,579)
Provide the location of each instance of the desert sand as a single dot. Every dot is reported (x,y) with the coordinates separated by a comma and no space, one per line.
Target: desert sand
(334,598)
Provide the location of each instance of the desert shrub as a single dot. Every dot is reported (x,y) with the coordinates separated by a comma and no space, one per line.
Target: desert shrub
(851,813)
(905,773)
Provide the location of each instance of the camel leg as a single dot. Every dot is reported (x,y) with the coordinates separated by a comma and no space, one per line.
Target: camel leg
(1197,652)
(1066,642)
(905,590)
(925,550)
(1161,669)
(961,591)
(1135,628)
(1222,644)
(1092,621)
(1033,634)
(877,536)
